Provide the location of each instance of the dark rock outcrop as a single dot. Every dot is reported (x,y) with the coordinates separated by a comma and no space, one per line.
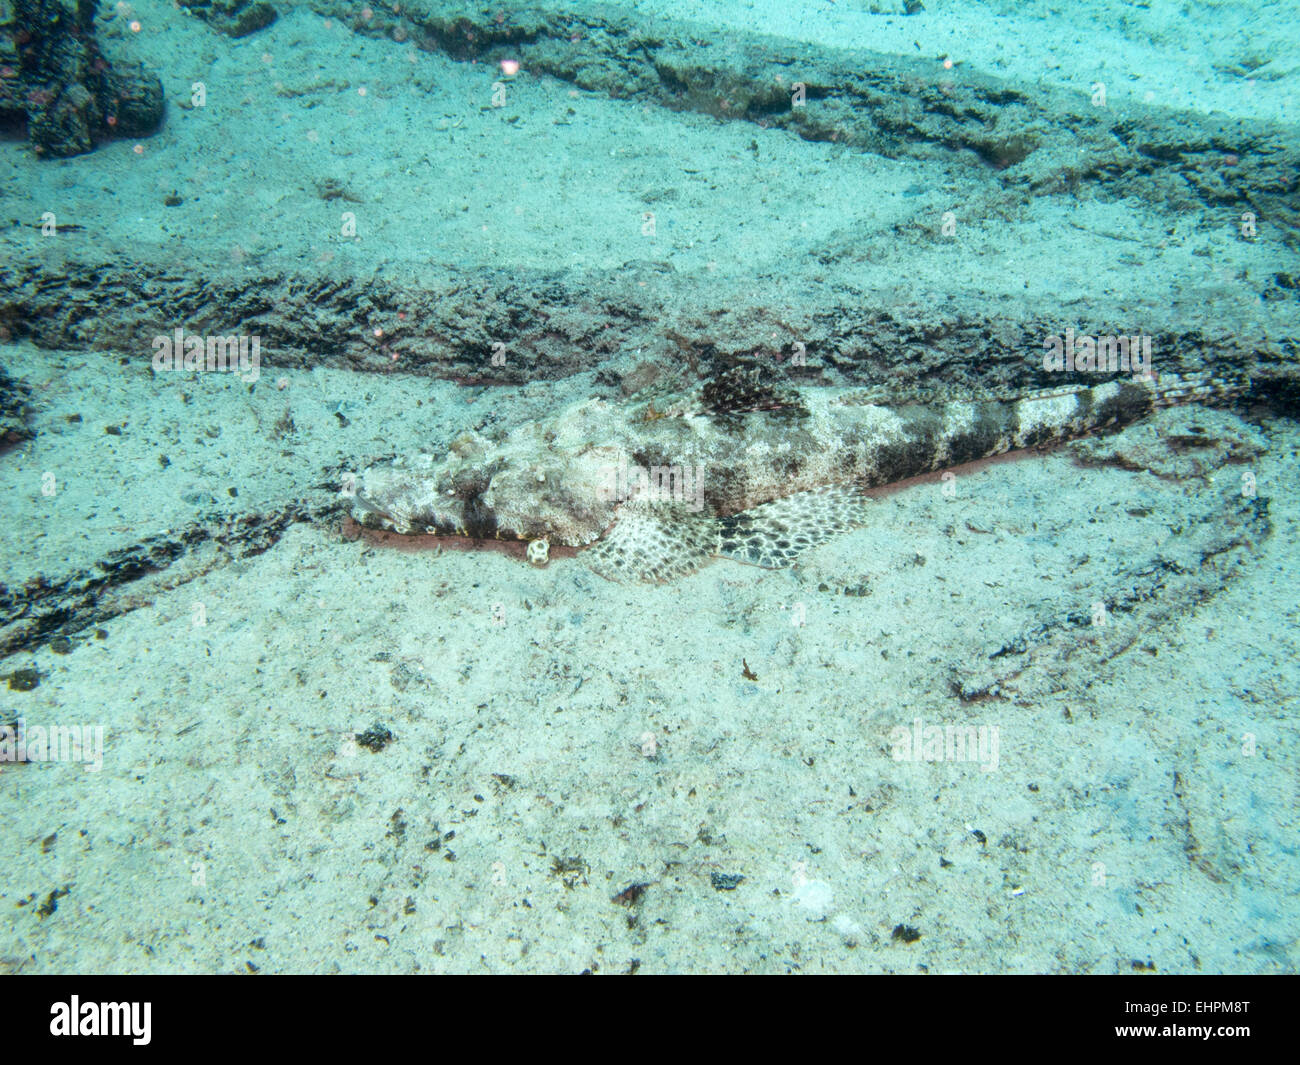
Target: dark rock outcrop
(235,18)
(14,408)
(56,83)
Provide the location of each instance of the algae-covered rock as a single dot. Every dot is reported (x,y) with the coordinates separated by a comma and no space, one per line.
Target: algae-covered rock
(235,18)
(55,81)
(14,409)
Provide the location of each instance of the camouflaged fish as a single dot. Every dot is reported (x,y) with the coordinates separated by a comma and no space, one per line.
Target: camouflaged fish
(740,469)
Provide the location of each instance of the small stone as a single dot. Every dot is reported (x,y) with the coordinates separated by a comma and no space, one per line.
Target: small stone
(23,680)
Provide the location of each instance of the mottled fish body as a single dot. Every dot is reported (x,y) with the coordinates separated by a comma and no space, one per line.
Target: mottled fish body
(740,471)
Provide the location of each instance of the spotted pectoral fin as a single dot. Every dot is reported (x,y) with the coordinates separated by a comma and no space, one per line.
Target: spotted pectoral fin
(652,543)
(655,543)
(775,534)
